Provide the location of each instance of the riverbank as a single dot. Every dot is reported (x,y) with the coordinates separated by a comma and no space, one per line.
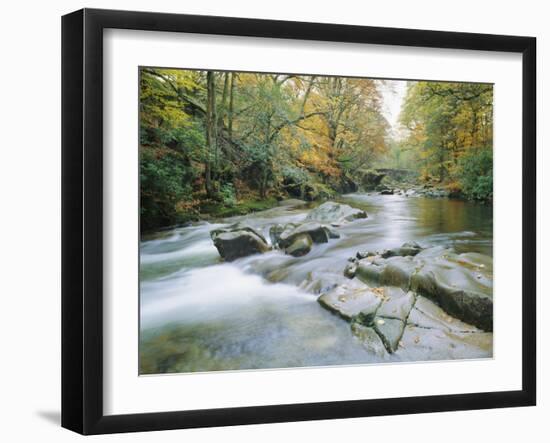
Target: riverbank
(374,183)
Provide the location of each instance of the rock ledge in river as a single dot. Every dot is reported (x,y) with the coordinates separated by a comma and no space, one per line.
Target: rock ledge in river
(461,284)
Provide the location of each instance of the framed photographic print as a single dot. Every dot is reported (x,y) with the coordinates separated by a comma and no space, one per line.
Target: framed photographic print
(270,221)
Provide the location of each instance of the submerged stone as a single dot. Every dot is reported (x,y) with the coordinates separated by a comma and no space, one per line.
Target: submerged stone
(335,213)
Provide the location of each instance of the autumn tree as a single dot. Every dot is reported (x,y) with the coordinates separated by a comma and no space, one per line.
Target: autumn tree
(447,124)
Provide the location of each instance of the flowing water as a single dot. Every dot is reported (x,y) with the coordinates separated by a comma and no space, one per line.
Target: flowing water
(200,314)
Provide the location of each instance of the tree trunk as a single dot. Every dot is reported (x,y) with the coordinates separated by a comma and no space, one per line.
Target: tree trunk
(306,96)
(211,145)
(223,105)
(230,110)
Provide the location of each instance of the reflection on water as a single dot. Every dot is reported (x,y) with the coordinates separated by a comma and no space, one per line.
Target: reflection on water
(199,314)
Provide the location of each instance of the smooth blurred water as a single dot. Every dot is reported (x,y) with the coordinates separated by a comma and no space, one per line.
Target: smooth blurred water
(200,314)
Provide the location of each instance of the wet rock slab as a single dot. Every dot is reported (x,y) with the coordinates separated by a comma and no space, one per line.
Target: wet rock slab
(460,283)
(397,304)
(419,344)
(370,340)
(390,331)
(352,301)
(428,315)
(384,310)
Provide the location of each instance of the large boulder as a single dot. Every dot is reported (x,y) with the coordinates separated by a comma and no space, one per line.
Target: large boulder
(317,232)
(297,239)
(238,241)
(300,245)
(371,179)
(239,226)
(335,213)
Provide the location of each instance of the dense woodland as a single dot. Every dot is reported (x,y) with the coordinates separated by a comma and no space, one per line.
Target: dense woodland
(222,143)
(449,135)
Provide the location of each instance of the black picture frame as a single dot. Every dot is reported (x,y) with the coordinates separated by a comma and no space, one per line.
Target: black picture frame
(82,219)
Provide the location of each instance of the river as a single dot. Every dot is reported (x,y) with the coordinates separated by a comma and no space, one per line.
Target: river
(200,314)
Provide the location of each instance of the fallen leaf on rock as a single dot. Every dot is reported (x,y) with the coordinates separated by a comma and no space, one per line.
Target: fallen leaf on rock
(380,321)
(417,339)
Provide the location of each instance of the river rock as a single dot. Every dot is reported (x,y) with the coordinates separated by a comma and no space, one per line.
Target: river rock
(461,284)
(239,226)
(406,250)
(390,331)
(423,344)
(397,304)
(317,233)
(426,314)
(454,295)
(240,243)
(368,272)
(364,254)
(351,301)
(318,282)
(335,213)
(301,245)
(398,272)
(350,270)
(275,232)
(369,339)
